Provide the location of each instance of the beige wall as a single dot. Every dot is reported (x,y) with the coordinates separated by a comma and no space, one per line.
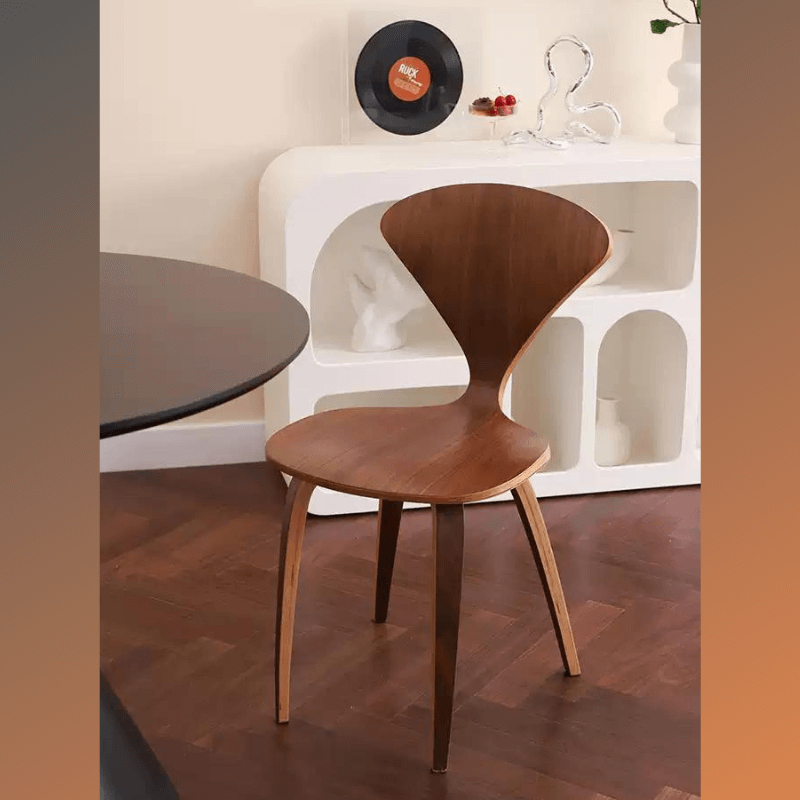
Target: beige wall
(198,96)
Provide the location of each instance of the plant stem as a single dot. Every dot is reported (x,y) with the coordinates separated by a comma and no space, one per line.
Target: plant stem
(676,14)
(696,12)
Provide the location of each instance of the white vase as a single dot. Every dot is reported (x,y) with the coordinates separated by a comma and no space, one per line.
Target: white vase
(621,249)
(382,302)
(684,118)
(612,437)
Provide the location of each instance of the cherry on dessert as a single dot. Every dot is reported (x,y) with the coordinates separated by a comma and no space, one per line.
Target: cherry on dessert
(499,101)
(510,100)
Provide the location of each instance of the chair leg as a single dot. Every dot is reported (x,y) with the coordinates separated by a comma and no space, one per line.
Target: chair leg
(532,519)
(294,523)
(448,557)
(389,513)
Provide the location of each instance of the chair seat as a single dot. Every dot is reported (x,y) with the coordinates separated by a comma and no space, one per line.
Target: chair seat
(452,453)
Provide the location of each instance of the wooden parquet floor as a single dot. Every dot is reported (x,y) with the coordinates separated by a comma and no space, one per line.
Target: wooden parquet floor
(187,608)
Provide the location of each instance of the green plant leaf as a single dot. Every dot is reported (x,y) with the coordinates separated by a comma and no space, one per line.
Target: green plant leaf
(660,25)
(698,7)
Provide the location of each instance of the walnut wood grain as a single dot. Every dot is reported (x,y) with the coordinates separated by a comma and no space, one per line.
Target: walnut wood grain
(294,523)
(455,453)
(389,514)
(190,566)
(495,261)
(448,568)
(532,520)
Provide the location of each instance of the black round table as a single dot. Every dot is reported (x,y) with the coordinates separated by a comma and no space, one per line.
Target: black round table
(177,338)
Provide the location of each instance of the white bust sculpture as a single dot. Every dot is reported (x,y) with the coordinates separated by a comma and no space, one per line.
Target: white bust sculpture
(381,303)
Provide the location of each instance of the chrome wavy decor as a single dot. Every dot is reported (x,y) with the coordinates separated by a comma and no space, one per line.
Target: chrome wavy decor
(574,127)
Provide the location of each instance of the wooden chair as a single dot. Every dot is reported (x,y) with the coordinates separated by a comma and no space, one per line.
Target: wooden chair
(496,261)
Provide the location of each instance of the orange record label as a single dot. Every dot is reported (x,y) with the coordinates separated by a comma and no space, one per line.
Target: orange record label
(409,78)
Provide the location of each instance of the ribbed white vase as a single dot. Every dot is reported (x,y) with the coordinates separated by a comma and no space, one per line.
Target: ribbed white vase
(684,118)
(612,436)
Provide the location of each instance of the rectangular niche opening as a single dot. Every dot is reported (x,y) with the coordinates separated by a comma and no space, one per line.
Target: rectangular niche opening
(547,389)
(662,220)
(642,363)
(391,398)
(333,315)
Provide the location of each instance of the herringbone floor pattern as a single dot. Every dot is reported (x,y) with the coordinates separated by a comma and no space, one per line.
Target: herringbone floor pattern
(188,602)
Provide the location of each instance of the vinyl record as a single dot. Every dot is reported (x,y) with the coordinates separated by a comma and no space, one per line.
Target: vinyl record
(408,77)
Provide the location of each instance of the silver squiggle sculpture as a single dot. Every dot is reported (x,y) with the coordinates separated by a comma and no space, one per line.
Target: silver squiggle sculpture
(573,127)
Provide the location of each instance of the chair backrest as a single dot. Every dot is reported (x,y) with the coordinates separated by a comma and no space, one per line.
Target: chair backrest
(496,261)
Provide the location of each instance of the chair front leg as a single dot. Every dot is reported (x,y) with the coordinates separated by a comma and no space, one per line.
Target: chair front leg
(448,557)
(532,520)
(294,523)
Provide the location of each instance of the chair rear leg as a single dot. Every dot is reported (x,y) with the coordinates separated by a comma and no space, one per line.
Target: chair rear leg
(294,523)
(448,557)
(389,514)
(531,514)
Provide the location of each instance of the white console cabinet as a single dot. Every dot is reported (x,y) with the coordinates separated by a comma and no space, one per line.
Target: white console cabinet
(636,338)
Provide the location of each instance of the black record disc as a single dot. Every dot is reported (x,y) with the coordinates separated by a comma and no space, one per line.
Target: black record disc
(408,77)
